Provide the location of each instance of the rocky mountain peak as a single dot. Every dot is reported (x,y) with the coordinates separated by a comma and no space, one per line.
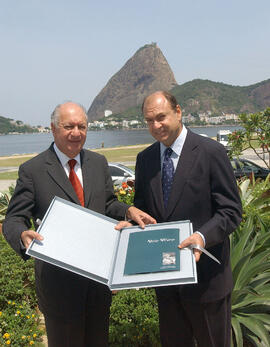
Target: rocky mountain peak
(145,72)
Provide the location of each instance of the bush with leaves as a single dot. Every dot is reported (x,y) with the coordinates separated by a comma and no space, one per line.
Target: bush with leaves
(134,319)
(19,321)
(16,277)
(250,260)
(19,325)
(4,201)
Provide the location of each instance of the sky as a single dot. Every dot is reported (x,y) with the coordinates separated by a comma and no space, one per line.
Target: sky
(57,50)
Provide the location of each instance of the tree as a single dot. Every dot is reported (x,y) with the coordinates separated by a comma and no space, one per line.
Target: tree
(255,135)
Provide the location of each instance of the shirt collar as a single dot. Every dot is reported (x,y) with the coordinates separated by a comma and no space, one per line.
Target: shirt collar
(178,144)
(64,158)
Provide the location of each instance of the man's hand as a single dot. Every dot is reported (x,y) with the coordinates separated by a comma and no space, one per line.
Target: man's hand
(140,217)
(193,239)
(28,235)
(122,224)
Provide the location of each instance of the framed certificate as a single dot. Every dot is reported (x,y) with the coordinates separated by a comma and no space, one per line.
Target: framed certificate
(85,242)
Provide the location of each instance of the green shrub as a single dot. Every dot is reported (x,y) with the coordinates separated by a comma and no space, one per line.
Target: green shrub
(4,201)
(16,277)
(19,325)
(134,319)
(19,321)
(250,259)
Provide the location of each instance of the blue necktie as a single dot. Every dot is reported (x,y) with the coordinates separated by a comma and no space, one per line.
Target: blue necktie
(167,175)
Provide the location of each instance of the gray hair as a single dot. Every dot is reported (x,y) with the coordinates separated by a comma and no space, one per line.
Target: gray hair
(56,112)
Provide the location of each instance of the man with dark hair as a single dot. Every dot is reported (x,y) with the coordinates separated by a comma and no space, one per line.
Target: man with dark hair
(76,309)
(169,97)
(184,176)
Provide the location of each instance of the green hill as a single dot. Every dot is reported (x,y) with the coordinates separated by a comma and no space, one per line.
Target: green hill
(8,125)
(203,95)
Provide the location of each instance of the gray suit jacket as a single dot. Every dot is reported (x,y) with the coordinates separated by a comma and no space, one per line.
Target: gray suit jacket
(60,292)
(205,192)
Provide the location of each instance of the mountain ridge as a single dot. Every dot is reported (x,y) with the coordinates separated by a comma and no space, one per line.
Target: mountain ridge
(204,95)
(146,71)
(199,96)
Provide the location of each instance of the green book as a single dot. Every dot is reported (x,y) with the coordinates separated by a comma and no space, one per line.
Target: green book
(152,251)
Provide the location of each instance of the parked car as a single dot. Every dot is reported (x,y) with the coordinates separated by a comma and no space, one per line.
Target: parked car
(121,173)
(223,138)
(244,167)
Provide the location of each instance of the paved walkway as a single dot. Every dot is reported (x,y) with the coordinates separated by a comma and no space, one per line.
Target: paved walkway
(8,168)
(4,184)
(250,155)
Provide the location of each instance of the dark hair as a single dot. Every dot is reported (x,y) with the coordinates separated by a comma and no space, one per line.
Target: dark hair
(168,96)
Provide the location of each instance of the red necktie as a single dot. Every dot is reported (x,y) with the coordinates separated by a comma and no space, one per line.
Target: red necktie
(75,181)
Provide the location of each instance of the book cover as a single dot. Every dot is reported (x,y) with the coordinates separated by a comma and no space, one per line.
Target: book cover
(152,251)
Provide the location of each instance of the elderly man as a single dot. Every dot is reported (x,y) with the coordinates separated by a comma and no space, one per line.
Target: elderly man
(76,309)
(184,176)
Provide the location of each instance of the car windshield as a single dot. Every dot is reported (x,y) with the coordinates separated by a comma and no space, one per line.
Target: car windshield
(247,165)
(224,137)
(126,169)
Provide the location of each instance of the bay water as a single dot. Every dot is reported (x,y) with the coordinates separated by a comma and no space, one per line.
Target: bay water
(36,143)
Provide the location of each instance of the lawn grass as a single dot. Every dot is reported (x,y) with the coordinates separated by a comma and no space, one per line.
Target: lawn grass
(121,154)
(11,175)
(117,154)
(15,160)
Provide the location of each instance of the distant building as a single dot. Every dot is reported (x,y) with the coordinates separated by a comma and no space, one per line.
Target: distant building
(96,124)
(113,123)
(189,118)
(125,123)
(231,116)
(42,129)
(216,120)
(107,113)
(204,117)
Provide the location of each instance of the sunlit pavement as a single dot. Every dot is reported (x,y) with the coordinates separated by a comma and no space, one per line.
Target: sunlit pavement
(4,184)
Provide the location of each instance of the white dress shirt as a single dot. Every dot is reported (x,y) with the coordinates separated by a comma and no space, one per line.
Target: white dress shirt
(64,161)
(176,147)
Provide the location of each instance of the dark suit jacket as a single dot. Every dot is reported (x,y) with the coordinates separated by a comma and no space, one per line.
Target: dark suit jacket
(60,292)
(205,192)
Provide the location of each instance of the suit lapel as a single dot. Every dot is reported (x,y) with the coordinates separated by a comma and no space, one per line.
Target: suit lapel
(155,180)
(88,173)
(57,173)
(182,172)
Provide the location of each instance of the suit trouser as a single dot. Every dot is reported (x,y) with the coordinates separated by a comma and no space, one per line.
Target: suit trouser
(90,329)
(181,321)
